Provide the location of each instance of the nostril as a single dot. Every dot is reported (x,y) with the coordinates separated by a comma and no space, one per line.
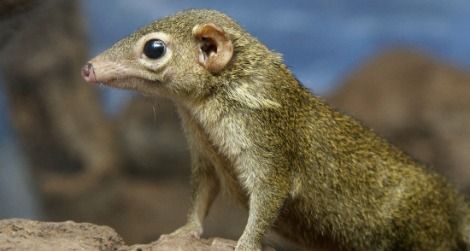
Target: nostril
(86,70)
(88,73)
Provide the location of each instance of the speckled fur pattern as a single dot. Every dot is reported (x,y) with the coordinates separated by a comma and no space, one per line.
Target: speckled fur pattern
(315,175)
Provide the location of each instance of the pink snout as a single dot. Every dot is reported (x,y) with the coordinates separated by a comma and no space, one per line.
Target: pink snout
(88,73)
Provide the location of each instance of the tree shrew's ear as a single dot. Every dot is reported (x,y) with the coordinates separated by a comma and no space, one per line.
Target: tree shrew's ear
(215,48)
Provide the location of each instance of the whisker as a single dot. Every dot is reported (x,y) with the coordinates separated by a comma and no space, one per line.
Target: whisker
(154,113)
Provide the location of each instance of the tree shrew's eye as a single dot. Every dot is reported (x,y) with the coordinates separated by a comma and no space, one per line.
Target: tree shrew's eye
(154,49)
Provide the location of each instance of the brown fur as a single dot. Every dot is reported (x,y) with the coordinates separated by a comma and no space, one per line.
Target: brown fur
(315,175)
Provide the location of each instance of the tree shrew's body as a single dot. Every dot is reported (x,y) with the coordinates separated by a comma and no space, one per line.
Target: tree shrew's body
(313,174)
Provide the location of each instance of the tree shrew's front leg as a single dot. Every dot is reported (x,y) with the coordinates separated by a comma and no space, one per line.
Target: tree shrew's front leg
(264,206)
(205,188)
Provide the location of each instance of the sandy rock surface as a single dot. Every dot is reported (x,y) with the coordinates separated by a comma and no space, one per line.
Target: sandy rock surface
(18,234)
(171,243)
(21,234)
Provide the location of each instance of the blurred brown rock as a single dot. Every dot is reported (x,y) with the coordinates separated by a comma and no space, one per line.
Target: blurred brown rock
(152,138)
(58,118)
(14,15)
(10,7)
(419,103)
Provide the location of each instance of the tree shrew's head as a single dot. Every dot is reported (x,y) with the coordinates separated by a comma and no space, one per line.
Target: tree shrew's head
(184,55)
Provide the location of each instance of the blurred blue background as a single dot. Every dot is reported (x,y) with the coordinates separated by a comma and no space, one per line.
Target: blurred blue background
(321,40)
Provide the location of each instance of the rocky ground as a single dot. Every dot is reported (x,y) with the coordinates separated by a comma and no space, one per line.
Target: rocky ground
(20,234)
